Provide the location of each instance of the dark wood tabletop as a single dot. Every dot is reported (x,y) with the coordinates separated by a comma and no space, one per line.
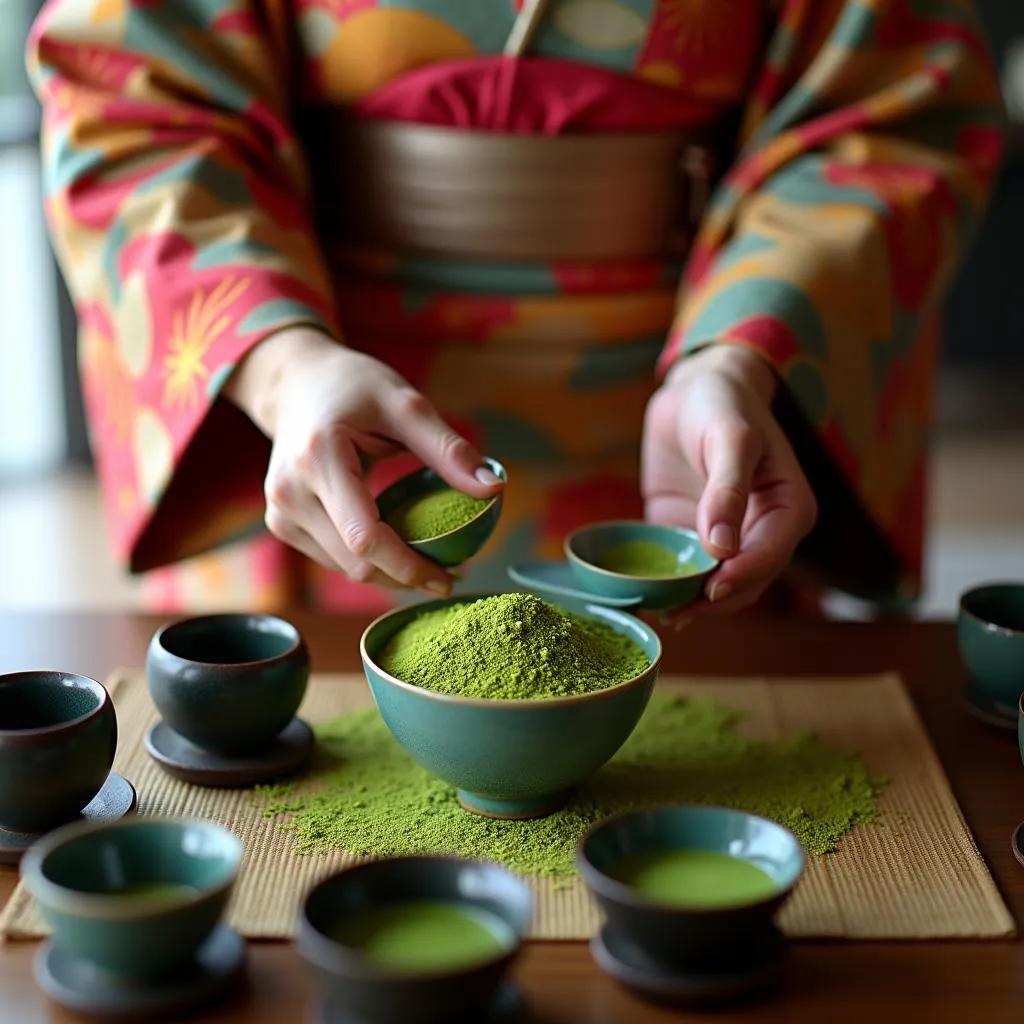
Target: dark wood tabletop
(826,982)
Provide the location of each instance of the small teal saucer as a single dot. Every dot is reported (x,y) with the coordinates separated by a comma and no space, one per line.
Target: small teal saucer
(981,706)
(651,980)
(507,1007)
(558,580)
(80,986)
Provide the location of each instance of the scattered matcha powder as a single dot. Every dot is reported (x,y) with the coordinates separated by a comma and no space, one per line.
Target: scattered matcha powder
(368,797)
(641,558)
(510,646)
(430,515)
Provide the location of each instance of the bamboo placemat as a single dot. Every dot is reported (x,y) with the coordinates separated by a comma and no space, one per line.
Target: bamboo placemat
(916,874)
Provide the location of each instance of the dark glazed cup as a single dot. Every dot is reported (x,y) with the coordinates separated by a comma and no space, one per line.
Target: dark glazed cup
(58,736)
(990,636)
(377,995)
(228,683)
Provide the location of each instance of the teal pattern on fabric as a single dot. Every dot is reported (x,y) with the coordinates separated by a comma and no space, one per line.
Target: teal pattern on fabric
(611,366)
(218,379)
(751,297)
(485,23)
(609,35)
(802,182)
(117,237)
(158,31)
(477,277)
(509,438)
(225,183)
(231,254)
(275,312)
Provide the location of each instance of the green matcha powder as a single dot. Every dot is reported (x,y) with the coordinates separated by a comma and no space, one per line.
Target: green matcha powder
(641,558)
(368,797)
(436,513)
(510,646)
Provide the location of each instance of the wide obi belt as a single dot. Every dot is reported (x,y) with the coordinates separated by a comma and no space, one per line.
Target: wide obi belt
(519,268)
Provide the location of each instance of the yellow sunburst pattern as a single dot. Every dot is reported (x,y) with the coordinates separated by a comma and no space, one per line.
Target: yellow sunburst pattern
(193,331)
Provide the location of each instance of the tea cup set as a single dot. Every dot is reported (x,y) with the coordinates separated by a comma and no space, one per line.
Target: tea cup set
(136,903)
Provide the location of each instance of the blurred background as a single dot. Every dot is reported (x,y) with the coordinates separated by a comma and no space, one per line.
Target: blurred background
(54,551)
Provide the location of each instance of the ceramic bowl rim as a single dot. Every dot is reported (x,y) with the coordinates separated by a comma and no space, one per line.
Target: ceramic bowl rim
(517,703)
(107,906)
(94,686)
(367,970)
(572,556)
(296,640)
(492,464)
(605,885)
(992,627)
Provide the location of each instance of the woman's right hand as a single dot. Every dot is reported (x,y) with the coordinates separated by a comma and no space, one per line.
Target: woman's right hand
(330,412)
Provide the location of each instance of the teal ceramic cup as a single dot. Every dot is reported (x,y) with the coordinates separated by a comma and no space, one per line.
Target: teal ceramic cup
(135,898)
(228,683)
(990,637)
(697,937)
(458,545)
(376,993)
(589,546)
(510,758)
(58,736)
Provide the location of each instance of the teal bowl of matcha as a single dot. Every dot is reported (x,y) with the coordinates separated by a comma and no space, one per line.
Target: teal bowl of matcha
(437,521)
(510,699)
(664,567)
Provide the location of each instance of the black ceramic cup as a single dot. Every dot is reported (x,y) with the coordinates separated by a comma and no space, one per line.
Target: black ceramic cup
(58,736)
(378,995)
(228,683)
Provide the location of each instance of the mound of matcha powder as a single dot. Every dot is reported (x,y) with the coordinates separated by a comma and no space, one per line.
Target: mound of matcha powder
(368,797)
(430,515)
(510,646)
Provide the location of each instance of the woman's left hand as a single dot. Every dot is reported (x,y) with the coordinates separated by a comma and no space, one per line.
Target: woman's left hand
(716,460)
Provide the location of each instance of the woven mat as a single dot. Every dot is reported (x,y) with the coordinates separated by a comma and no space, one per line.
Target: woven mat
(916,874)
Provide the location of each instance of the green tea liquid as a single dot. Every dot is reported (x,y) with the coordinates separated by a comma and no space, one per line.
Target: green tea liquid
(695,878)
(426,936)
(642,558)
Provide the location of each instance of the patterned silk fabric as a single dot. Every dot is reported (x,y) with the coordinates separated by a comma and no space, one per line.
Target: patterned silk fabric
(869,132)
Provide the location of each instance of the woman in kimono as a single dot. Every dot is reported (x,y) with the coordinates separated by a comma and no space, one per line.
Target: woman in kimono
(673,258)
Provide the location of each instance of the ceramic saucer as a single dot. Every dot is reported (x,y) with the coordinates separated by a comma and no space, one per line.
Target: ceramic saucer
(985,709)
(79,985)
(631,967)
(506,1008)
(289,752)
(116,799)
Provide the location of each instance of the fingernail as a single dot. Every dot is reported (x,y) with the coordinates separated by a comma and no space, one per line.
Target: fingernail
(485,476)
(437,587)
(719,592)
(723,537)
(682,623)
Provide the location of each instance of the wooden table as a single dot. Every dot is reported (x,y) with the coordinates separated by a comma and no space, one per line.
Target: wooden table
(827,982)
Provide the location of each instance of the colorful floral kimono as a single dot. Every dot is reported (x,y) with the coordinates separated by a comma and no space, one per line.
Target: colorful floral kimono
(184,194)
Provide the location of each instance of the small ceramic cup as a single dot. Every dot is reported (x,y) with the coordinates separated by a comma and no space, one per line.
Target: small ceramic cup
(58,736)
(458,545)
(990,636)
(228,683)
(587,546)
(136,897)
(377,994)
(695,937)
